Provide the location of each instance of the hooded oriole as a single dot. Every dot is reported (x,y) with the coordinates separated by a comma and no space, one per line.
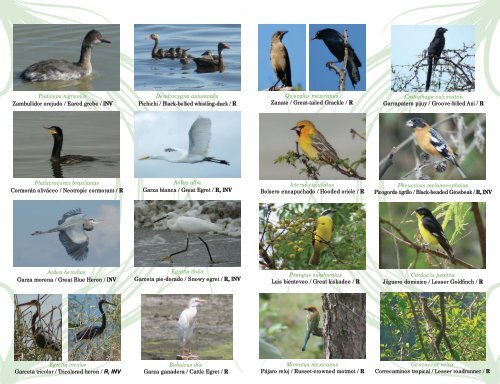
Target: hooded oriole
(314,144)
(322,234)
(432,143)
(432,232)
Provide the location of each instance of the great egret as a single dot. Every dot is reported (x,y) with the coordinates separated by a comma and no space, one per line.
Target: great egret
(199,139)
(42,338)
(189,225)
(186,324)
(92,331)
(72,235)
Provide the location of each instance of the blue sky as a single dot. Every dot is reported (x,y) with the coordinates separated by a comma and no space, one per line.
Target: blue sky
(155,131)
(295,43)
(320,77)
(47,251)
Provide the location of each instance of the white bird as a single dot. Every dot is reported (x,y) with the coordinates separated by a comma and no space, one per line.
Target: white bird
(199,139)
(72,235)
(186,324)
(189,225)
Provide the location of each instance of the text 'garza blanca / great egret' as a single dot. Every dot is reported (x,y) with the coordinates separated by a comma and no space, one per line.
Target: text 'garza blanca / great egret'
(72,235)
(199,139)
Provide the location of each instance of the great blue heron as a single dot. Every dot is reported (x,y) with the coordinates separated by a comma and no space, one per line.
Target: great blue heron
(92,331)
(43,339)
(189,225)
(186,324)
(72,235)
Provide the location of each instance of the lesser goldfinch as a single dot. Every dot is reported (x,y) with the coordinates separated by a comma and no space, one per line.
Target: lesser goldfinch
(432,232)
(432,143)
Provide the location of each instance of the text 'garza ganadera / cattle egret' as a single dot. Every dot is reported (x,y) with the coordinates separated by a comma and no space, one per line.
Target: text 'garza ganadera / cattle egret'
(189,225)
(186,324)
(199,139)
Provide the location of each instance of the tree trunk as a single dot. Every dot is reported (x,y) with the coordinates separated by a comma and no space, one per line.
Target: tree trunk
(344,325)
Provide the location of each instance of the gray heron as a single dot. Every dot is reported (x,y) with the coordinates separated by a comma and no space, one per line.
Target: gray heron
(72,234)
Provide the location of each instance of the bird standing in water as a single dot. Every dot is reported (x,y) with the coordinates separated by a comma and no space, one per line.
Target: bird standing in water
(312,321)
(434,51)
(322,234)
(280,60)
(64,70)
(41,337)
(186,324)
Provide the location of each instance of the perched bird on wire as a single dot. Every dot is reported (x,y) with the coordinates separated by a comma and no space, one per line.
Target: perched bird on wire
(314,144)
(434,51)
(186,324)
(432,232)
(312,321)
(280,60)
(334,41)
(321,236)
(432,143)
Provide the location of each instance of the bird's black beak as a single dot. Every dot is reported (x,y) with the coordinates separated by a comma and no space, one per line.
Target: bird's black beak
(105,41)
(296,129)
(160,219)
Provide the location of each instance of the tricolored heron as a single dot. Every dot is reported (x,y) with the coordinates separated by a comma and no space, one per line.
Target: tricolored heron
(43,339)
(93,331)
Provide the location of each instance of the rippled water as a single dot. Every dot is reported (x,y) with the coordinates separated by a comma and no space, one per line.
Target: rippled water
(37,42)
(150,247)
(94,134)
(167,74)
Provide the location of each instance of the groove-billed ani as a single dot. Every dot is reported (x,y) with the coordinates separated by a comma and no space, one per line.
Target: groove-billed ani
(434,53)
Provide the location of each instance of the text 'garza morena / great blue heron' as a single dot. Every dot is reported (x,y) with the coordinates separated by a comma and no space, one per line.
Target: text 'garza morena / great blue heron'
(72,235)
(42,338)
(92,331)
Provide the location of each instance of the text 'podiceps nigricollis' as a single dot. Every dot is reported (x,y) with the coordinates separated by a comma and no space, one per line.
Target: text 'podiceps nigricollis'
(64,70)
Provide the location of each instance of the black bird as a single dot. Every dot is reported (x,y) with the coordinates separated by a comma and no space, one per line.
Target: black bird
(280,60)
(57,134)
(334,41)
(93,330)
(42,338)
(434,53)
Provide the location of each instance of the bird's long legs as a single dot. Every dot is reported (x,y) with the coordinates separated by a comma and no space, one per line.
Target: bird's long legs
(208,250)
(187,246)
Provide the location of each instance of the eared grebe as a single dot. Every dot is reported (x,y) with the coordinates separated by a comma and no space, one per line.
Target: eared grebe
(209,62)
(57,133)
(62,69)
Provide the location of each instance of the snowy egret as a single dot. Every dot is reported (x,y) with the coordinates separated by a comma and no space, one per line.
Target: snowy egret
(42,338)
(189,225)
(199,139)
(92,331)
(72,235)
(186,323)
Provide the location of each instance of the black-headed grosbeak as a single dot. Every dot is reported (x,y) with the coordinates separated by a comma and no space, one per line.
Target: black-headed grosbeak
(432,143)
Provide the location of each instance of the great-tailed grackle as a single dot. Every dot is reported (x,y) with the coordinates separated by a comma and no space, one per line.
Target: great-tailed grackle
(334,41)
(434,53)
(280,60)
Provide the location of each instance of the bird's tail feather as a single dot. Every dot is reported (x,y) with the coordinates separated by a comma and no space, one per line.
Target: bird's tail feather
(429,74)
(314,259)
(308,335)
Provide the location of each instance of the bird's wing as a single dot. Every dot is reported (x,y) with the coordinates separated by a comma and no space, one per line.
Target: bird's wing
(433,226)
(440,144)
(68,214)
(75,242)
(199,136)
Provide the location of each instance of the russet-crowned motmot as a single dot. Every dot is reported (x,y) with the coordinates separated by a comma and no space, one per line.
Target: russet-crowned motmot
(312,323)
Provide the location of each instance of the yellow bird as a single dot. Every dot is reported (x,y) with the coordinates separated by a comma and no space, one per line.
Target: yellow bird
(322,234)
(314,144)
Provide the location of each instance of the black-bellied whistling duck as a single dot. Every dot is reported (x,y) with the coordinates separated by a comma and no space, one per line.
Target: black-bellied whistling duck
(208,63)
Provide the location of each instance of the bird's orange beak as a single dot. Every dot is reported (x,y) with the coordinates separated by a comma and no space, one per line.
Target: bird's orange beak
(144,158)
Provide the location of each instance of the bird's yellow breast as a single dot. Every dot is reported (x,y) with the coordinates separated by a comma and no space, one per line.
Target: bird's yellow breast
(324,230)
(428,237)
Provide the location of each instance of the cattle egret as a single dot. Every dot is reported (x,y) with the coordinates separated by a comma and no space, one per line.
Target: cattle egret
(199,139)
(186,324)
(189,225)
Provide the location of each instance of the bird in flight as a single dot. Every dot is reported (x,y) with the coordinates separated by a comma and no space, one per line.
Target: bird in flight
(199,140)
(72,236)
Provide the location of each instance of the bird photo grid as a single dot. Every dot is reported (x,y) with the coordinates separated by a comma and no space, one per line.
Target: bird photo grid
(249,192)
